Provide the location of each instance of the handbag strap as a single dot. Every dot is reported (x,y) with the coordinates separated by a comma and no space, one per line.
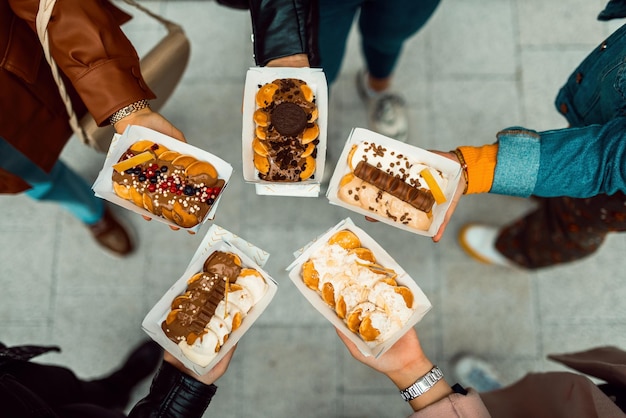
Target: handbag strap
(43,17)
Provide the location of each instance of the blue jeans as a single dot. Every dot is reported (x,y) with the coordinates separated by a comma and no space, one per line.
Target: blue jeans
(384,26)
(62,185)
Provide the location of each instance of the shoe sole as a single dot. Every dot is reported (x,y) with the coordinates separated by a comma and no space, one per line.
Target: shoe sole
(468,249)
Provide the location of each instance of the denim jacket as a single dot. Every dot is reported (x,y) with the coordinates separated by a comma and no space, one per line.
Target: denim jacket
(589,157)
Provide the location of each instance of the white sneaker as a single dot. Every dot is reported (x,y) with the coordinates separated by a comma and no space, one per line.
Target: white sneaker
(386,111)
(474,372)
(479,242)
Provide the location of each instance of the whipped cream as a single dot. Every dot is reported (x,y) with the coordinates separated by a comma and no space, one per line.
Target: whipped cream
(365,291)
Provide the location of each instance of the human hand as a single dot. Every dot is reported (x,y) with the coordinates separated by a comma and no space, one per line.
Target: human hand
(148,118)
(298,60)
(405,355)
(403,364)
(455,199)
(208,378)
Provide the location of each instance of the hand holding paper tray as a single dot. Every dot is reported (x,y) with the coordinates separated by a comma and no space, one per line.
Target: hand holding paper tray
(358,287)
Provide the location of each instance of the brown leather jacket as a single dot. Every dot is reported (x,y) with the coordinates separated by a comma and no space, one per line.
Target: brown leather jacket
(90,49)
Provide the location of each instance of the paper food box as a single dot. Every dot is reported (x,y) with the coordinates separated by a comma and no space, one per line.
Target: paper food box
(201,356)
(358,287)
(393,182)
(182,183)
(285,114)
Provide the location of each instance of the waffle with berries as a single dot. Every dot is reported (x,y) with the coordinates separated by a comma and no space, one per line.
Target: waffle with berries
(175,186)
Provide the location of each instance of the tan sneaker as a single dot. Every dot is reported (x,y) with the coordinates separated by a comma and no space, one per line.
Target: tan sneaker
(111,235)
(386,111)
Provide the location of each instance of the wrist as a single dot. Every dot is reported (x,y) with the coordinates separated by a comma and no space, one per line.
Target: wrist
(427,386)
(481,166)
(406,376)
(296,61)
(128,110)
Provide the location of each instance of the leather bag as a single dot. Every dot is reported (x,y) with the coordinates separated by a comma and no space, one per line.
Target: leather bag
(162,68)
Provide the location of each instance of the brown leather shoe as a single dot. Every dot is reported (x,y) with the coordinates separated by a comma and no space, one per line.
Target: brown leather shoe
(111,235)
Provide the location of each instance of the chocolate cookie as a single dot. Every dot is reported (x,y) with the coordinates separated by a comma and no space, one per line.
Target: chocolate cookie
(288,119)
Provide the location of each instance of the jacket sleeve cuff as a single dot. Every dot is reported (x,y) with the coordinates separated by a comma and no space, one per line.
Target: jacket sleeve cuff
(455,405)
(518,162)
(282,28)
(174,393)
(481,163)
(106,88)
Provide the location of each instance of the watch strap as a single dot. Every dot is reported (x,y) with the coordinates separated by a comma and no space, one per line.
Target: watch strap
(127,110)
(422,385)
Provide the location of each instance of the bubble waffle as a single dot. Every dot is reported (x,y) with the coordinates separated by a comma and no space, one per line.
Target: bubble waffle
(214,304)
(392,185)
(286,131)
(364,294)
(169,184)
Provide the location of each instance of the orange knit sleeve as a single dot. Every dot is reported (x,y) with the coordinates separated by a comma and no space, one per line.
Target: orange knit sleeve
(481,165)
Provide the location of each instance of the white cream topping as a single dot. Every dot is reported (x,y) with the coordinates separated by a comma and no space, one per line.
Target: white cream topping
(385,324)
(255,285)
(387,205)
(395,163)
(219,327)
(242,299)
(361,288)
(205,348)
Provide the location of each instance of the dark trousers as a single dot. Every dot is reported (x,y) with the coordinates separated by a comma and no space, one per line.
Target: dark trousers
(32,390)
(562,230)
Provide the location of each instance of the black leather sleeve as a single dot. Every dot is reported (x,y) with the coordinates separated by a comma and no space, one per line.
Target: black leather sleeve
(16,400)
(174,394)
(284,27)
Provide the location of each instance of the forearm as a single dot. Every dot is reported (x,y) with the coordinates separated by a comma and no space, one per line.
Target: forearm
(174,394)
(282,28)
(91,50)
(575,162)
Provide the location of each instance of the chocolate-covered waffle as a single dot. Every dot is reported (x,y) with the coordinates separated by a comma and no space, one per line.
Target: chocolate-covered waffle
(175,186)
(214,304)
(286,131)
(392,185)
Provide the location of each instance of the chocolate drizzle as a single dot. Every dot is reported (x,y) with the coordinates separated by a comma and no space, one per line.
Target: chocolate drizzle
(192,311)
(418,198)
(290,115)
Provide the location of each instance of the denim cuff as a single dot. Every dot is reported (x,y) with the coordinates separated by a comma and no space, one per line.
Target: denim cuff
(518,162)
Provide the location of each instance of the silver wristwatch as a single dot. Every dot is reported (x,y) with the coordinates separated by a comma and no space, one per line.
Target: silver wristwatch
(422,385)
(125,111)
